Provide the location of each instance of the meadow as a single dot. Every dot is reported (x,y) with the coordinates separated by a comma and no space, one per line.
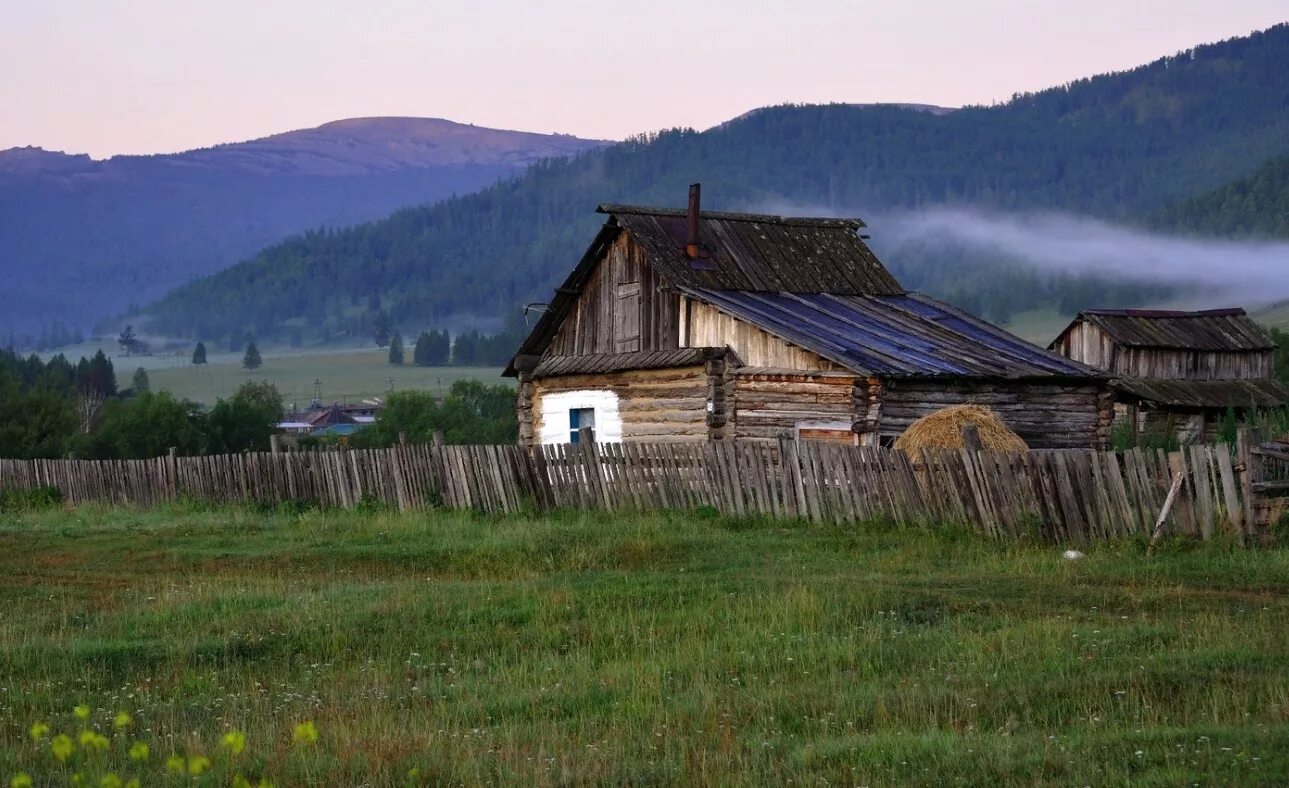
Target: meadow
(345,376)
(339,648)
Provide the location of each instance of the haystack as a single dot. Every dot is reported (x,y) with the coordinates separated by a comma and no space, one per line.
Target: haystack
(943,430)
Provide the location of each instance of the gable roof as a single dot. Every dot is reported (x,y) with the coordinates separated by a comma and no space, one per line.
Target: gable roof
(1218,330)
(758,253)
(750,252)
(906,335)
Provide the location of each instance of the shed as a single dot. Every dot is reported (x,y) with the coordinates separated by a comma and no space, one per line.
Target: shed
(685,325)
(1179,369)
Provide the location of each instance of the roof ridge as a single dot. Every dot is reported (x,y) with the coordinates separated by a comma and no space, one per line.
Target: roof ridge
(1231,311)
(729,216)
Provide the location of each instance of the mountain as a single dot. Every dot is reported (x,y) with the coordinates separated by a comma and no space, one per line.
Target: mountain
(81,239)
(1253,206)
(1118,146)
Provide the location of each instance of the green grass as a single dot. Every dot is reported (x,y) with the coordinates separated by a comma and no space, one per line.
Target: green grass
(347,376)
(636,649)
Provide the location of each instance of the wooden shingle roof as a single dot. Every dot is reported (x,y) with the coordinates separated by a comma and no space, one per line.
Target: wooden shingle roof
(1204,394)
(1216,330)
(758,253)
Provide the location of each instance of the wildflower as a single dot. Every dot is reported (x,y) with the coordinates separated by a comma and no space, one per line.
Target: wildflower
(78,779)
(122,720)
(61,746)
(198,764)
(175,763)
(82,712)
(139,751)
(38,730)
(305,733)
(133,782)
(20,780)
(94,742)
(110,780)
(235,742)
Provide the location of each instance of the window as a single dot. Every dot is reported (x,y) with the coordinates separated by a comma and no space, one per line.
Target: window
(579,418)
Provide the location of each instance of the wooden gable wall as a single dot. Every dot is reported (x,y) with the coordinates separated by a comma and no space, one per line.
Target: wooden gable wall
(703,325)
(622,308)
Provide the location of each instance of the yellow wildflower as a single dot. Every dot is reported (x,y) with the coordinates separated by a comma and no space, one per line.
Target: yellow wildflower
(175,763)
(20,780)
(94,742)
(110,780)
(305,733)
(122,720)
(39,730)
(82,712)
(133,782)
(139,751)
(61,746)
(235,742)
(198,764)
(78,779)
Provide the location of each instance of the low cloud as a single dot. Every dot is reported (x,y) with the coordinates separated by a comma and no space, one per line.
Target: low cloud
(1220,272)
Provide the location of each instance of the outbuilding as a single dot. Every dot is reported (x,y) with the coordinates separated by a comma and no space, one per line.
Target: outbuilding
(1176,371)
(684,325)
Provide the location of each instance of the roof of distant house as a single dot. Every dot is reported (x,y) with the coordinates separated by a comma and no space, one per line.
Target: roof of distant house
(1207,330)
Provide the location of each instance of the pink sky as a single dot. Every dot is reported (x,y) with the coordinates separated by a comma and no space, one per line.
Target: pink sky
(144,76)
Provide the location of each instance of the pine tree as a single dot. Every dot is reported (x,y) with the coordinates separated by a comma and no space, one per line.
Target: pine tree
(252,358)
(141,382)
(396,349)
(421,352)
(199,353)
(127,340)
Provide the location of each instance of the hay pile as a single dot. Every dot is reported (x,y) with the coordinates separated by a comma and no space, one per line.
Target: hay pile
(943,430)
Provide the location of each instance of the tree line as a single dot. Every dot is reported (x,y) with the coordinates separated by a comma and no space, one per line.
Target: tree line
(58,409)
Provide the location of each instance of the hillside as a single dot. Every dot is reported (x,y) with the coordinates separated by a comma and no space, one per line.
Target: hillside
(1253,206)
(1115,145)
(81,239)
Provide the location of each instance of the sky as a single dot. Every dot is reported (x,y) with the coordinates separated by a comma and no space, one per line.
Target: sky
(106,77)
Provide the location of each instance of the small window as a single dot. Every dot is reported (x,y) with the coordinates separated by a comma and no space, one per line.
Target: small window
(579,418)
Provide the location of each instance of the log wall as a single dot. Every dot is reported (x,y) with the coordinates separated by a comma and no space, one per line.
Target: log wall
(771,403)
(1047,415)
(656,405)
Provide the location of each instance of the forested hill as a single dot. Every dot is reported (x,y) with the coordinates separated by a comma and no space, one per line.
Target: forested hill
(82,239)
(1253,206)
(1116,145)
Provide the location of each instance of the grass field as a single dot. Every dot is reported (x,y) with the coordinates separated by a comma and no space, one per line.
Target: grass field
(445,648)
(347,376)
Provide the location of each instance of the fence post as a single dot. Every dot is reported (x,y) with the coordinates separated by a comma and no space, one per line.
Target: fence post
(275,444)
(793,488)
(437,438)
(172,470)
(594,470)
(1257,505)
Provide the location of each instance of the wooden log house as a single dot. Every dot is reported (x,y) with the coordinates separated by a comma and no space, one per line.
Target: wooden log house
(683,325)
(1176,371)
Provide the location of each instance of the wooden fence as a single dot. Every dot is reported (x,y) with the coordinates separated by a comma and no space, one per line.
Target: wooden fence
(1066,496)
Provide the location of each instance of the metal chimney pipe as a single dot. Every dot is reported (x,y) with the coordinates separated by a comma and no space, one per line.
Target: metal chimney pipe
(692,250)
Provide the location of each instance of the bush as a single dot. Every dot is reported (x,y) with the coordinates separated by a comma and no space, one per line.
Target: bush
(27,500)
